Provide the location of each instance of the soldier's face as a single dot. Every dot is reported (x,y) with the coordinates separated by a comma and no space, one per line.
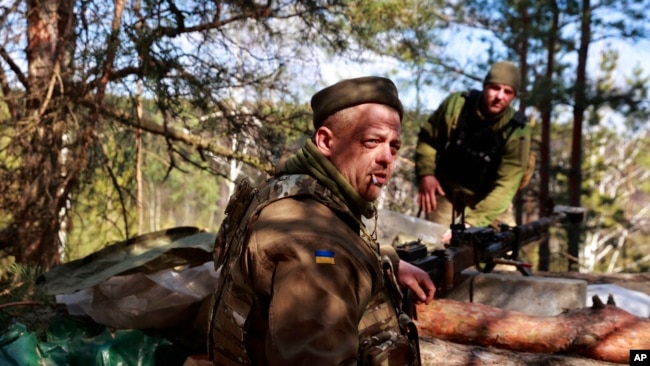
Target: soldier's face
(364,150)
(497,97)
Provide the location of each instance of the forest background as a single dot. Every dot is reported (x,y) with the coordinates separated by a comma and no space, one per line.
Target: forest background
(125,117)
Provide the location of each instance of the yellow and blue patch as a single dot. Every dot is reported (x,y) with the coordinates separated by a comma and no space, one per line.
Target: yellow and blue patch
(324,256)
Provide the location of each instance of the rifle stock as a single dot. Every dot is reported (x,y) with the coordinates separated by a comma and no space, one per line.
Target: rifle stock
(481,247)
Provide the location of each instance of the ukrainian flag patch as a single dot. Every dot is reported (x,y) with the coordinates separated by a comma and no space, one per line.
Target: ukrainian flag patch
(324,256)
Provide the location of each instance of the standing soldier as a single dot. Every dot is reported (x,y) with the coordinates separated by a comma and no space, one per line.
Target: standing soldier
(302,280)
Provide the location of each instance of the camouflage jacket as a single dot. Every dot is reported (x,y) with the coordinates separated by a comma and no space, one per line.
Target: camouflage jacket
(303,287)
(434,137)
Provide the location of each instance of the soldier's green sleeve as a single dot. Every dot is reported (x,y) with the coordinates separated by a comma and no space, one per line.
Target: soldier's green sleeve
(425,153)
(511,170)
(434,134)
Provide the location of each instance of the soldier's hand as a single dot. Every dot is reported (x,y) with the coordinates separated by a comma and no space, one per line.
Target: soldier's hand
(428,187)
(417,280)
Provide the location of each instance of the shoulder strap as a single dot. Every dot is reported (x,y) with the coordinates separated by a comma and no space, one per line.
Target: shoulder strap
(231,301)
(238,206)
(247,201)
(518,120)
(470,101)
(297,185)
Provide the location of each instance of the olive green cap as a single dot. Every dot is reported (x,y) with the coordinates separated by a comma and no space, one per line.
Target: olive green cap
(351,92)
(504,72)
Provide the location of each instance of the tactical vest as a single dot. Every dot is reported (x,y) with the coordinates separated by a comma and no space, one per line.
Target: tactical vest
(473,154)
(385,338)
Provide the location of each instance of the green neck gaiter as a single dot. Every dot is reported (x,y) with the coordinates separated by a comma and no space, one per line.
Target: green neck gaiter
(309,160)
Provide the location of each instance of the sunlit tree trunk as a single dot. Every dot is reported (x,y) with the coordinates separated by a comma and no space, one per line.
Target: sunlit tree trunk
(46,175)
(138,139)
(138,164)
(152,205)
(235,166)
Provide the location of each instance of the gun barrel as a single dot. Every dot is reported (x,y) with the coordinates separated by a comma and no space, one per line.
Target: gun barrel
(498,244)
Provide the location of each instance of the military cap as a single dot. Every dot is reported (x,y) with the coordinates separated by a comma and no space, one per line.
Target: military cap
(503,72)
(351,92)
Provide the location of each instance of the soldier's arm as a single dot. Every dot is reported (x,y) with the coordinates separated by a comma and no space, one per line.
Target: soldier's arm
(315,306)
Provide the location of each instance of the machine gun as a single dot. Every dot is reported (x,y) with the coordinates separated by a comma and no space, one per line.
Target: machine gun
(482,248)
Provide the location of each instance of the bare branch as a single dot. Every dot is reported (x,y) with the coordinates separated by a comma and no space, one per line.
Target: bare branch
(195,141)
(13,66)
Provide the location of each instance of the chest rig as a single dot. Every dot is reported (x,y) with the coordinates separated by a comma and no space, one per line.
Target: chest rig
(473,154)
(382,337)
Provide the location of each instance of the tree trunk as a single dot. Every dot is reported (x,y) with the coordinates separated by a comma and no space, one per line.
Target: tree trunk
(524,32)
(603,332)
(45,175)
(53,144)
(575,172)
(545,206)
(434,351)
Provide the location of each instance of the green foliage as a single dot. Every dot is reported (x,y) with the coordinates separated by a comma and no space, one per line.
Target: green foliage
(21,299)
(614,193)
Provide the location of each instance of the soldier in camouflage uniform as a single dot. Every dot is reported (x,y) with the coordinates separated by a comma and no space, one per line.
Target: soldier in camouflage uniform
(302,281)
(477,144)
